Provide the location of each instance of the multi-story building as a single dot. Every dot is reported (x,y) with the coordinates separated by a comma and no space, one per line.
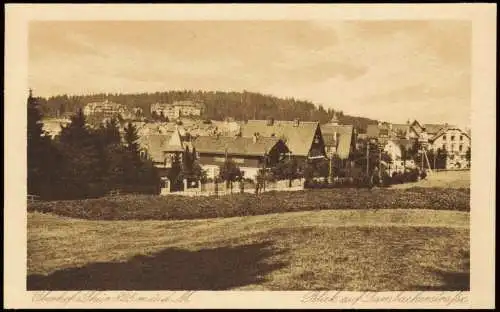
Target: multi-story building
(177,109)
(451,139)
(455,142)
(106,109)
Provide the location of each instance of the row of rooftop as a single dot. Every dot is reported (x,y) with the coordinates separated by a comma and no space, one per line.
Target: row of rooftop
(255,140)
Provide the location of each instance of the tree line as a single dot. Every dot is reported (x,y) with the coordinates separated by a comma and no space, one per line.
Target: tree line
(217,105)
(83,162)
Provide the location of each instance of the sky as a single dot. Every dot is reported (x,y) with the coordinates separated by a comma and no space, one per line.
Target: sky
(386,70)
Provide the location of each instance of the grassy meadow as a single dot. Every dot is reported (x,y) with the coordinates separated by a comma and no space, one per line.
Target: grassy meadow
(405,246)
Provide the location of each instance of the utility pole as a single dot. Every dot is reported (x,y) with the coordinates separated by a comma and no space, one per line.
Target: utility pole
(422,157)
(434,153)
(427,159)
(330,168)
(367,158)
(265,171)
(380,162)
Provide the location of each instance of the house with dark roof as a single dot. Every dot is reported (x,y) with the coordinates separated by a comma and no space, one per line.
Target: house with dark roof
(162,148)
(248,153)
(303,138)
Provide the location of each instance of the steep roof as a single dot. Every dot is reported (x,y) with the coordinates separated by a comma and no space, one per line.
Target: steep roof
(234,145)
(433,128)
(155,144)
(158,144)
(343,140)
(444,130)
(298,138)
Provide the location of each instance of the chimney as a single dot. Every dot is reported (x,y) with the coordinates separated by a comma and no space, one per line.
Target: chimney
(255,137)
(296,122)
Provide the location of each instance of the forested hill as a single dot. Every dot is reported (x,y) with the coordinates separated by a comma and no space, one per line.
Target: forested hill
(218,105)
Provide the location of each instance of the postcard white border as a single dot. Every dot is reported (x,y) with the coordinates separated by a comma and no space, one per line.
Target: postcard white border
(483,17)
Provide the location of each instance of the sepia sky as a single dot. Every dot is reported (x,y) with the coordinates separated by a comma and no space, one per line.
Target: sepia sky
(389,70)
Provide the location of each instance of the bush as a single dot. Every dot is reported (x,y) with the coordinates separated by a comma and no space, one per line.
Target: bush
(386,179)
(175,207)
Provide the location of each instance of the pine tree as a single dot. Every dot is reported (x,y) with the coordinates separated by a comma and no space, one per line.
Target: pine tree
(82,168)
(36,145)
(132,162)
(111,155)
(139,175)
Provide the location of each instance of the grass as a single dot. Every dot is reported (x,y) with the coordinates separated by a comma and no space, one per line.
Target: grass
(358,250)
(444,179)
(174,207)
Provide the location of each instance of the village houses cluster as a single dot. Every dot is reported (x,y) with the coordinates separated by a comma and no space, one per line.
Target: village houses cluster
(252,143)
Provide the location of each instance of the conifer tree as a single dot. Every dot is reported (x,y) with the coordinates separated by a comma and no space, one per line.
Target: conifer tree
(82,176)
(37,147)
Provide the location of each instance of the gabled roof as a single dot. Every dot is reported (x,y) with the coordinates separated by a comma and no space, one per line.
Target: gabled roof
(159,144)
(342,141)
(415,123)
(433,128)
(444,130)
(298,138)
(155,145)
(244,146)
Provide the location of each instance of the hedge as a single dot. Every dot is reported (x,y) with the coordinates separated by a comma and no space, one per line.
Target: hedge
(175,207)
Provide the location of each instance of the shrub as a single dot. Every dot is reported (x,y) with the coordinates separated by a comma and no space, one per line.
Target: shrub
(174,207)
(386,179)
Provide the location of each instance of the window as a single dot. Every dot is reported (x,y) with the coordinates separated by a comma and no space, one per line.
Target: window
(443,147)
(444,137)
(453,147)
(460,148)
(461,138)
(452,138)
(238,160)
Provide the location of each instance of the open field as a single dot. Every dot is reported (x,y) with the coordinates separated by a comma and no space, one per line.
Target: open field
(445,179)
(376,250)
(150,207)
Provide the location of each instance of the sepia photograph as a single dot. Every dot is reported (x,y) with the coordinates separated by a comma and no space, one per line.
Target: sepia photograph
(249,155)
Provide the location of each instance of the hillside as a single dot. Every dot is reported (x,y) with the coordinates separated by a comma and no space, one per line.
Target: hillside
(218,105)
